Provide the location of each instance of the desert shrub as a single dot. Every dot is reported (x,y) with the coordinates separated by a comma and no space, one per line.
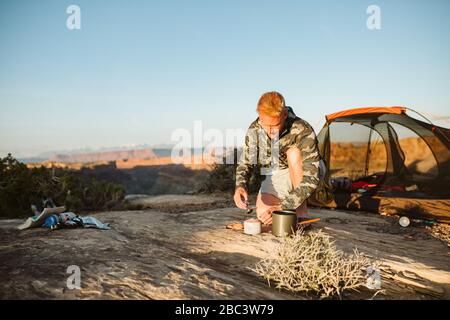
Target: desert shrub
(311,263)
(223,178)
(15,187)
(20,187)
(102,194)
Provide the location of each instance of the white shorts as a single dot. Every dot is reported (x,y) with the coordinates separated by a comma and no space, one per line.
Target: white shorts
(278,184)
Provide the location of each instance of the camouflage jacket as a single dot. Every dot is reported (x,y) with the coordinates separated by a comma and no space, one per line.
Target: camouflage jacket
(259,150)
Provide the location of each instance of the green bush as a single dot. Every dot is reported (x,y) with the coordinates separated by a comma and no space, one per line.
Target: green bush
(20,187)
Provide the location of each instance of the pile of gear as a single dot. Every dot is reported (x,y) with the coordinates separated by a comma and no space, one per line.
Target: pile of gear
(53,217)
(71,220)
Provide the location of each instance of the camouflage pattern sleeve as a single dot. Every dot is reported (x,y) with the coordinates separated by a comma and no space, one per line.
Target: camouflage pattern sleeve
(305,140)
(248,158)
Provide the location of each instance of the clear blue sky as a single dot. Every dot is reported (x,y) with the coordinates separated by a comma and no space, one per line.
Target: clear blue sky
(137,70)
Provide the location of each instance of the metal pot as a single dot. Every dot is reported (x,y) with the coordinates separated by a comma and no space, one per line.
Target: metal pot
(284,223)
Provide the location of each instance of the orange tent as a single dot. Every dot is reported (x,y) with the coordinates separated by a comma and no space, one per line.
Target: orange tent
(380,152)
(349,112)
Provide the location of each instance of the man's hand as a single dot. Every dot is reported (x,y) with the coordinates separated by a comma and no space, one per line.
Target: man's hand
(266,216)
(241,198)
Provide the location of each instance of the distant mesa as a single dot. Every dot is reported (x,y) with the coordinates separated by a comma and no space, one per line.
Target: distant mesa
(144,154)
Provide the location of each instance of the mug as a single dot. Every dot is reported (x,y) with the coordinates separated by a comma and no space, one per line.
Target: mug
(284,223)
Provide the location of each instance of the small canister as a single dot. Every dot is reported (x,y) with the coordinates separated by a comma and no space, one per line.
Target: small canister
(284,223)
(252,226)
(404,222)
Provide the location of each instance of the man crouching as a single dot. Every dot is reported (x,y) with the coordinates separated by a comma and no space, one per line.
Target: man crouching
(284,147)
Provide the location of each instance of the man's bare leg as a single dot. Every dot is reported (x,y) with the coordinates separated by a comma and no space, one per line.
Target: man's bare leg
(264,204)
(266,201)
(294,157)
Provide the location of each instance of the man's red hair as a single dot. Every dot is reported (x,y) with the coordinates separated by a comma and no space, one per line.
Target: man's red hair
(271,104)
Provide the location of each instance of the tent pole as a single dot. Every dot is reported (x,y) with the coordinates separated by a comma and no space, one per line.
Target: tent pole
(366,170)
